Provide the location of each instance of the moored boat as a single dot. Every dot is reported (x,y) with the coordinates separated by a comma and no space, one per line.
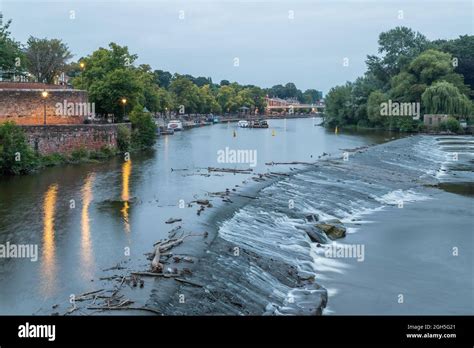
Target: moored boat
(243,124)
(175,125)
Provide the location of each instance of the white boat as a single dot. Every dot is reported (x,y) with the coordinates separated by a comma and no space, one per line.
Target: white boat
(243,124)
(175,125)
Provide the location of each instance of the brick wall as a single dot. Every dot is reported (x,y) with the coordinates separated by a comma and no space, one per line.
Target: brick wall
(67,138)
(25,106)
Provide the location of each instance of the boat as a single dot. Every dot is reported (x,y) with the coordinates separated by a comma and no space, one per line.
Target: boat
(243,124)
(175,125)
(259,124)
(165,131)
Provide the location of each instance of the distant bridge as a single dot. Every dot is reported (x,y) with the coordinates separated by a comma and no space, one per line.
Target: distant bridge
(295,106)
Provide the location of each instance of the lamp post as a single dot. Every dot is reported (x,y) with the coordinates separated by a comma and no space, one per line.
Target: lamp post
(82,65)
(124,102)
(44,94)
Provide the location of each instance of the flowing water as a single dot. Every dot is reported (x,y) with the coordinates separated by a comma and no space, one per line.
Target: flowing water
(87,218)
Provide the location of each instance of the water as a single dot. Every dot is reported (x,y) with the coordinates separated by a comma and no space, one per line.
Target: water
(417,239)
(86,218)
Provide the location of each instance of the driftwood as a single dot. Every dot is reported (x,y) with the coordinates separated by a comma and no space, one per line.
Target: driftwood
(229,170)
(155,263)
(153,274)
(284,163)
(166,245)
(173,220)
(125,308)
(188,282)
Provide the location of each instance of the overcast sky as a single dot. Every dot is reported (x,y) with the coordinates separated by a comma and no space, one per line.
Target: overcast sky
(300,41)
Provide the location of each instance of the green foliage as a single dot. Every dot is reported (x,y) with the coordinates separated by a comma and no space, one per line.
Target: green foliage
(79,155)
(143,128)
(445,98)
(46,59)
(374,103)
(338,105)
(10,50)
(451,124)
(52,160)
(462,51)
(109,76)
(397,47)
(124,138)
(16,156)
(408,69)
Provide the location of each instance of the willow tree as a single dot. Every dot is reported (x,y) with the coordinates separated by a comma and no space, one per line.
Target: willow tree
(444,98)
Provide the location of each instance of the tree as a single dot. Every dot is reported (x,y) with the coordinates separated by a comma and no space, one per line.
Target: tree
(444,98)
(311,96)
(209,103)
(162,78)
(227,99)
(143,128)
(338,105)
(16,156)
(462,51)
(374,105)
(46,59)
(109,76)
(429,67)
(186,94)
(397,47)
(11,56)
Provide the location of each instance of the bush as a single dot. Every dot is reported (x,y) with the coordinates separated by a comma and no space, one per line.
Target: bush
(451,124)
(144,128)
(16,156)
(124,137)
(52,160)
(103,153)
(79,155)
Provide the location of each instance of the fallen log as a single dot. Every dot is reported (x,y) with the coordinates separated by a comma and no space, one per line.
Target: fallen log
(189,282)
(172,220)
(229,170)
(152,274)
(125,308)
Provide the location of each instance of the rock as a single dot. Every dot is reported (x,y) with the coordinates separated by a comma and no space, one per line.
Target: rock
(333,231)
(312,218)
(316,235)
(202,202)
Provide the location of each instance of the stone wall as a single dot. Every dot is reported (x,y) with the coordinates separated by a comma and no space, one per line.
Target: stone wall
(66,138)
(23,104)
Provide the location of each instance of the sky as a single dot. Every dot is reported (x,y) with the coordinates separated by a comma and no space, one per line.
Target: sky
(260,42)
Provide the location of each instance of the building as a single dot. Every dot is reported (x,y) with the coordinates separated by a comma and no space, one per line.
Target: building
(434,120)
(30,103)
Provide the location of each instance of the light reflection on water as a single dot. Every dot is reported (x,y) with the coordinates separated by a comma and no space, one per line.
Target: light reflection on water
(87,259)
(49,246)
(126,171)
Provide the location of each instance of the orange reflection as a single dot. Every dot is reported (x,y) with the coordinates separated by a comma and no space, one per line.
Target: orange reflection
(86,246)
(49,248)
(126,171)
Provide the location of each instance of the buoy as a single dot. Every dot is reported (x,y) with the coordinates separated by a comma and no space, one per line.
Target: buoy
(273,133)
(336,130)
(235,134)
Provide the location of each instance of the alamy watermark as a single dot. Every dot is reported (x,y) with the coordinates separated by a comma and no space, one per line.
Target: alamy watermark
(237,156)
(391,108)
(345,251)
(74,109)
(20,251)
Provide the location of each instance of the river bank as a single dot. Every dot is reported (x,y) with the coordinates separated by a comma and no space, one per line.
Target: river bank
(247,251)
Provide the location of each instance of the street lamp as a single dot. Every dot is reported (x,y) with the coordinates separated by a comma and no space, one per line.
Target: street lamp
(124,101)
(82,65)
(44,94)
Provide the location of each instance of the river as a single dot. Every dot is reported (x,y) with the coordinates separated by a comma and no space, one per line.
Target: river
(90,217)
